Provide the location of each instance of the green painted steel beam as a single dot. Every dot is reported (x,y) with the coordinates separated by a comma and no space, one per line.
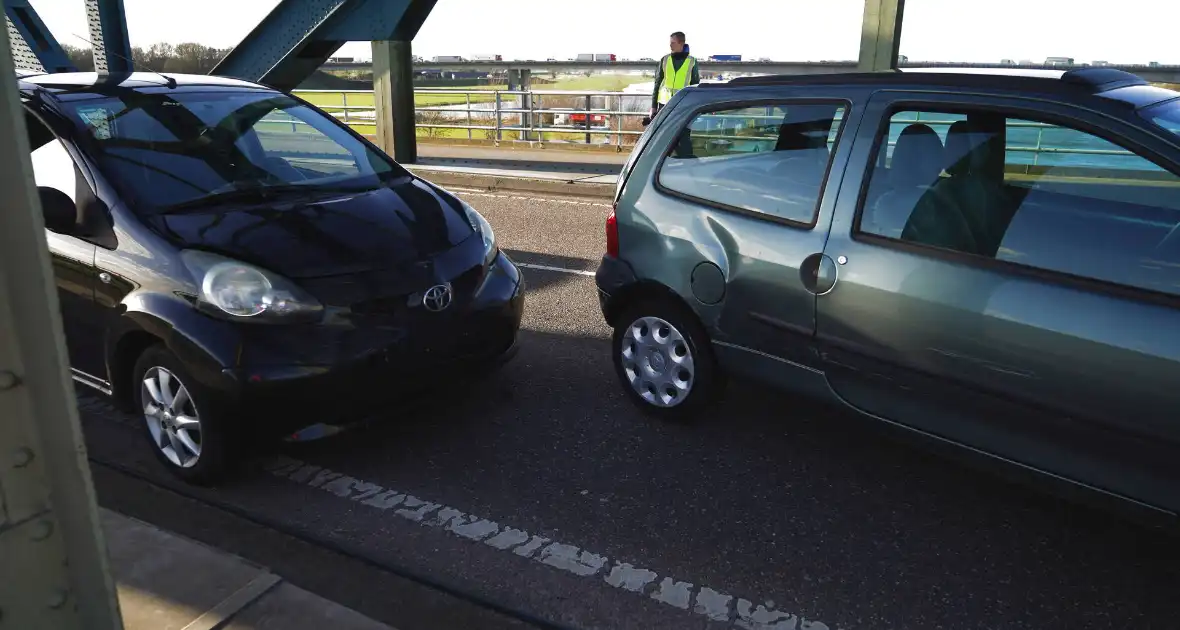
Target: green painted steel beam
(880,35)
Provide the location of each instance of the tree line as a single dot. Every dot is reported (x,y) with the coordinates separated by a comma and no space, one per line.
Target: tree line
(186,58)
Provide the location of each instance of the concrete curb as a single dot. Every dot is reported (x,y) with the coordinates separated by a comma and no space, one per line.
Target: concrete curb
(501,183)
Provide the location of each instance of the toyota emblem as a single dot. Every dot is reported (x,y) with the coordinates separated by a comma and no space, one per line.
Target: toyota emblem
(437,298)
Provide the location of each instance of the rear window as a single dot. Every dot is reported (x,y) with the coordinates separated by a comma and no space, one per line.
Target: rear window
(1166,115)
(769,160)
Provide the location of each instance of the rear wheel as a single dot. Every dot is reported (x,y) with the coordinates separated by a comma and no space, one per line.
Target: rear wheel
(186,427)
(664,360)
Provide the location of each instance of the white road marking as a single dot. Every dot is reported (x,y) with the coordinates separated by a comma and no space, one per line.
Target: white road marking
(674,593)
(579,272)
(712,604)
(707,602)
(629,578)
(573,202)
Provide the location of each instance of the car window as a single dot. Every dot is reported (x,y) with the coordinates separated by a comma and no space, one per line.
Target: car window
(770,160)
(1044,195)
(53,167)
(1166,115)
(163,149)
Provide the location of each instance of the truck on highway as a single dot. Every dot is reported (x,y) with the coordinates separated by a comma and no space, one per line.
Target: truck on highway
(725,58)
(1059,61)
(487,58)
(448,58)
(596,57)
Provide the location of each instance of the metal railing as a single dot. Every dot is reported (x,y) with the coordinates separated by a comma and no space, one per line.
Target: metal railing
(493,105)
(527,107)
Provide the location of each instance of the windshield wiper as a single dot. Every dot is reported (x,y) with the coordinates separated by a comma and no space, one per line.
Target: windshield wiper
(255,193)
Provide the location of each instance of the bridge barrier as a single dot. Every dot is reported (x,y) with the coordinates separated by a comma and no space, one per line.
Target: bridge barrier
(598,118)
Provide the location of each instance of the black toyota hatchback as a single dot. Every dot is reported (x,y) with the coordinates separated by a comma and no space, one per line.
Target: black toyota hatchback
(234,264)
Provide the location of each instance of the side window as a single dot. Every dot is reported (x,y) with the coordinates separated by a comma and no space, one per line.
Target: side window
(1029,192)
(767,159)
(52,165)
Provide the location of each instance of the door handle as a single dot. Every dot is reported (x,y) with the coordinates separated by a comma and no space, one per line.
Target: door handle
(819,274)
(105,277)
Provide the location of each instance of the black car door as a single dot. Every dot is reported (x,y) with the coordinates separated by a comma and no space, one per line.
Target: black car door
(73,259)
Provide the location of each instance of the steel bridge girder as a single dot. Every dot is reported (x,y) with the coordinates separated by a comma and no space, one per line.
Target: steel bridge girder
(108,36)
(33,47)
(298,36)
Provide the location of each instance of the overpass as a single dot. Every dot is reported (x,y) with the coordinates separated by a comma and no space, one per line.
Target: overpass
(1154,73)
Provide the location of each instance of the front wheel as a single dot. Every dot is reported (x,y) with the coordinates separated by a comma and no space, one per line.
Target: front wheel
(187,428)
(664,361)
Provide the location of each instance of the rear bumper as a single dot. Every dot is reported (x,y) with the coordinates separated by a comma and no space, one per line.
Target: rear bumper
(612,277)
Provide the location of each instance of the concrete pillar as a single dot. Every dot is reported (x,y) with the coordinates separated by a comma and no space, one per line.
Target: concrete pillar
(880,35)
(393,87)
(53,567)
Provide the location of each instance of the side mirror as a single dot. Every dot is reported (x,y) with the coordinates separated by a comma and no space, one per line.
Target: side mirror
(59,211)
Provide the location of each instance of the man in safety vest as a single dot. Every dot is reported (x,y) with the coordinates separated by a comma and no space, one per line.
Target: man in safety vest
(677,71)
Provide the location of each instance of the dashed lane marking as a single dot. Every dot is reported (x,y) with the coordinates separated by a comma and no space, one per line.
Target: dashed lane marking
(579,272)
(573,202)
(713,604)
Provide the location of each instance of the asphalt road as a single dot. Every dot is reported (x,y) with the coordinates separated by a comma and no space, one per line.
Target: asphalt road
(542,490)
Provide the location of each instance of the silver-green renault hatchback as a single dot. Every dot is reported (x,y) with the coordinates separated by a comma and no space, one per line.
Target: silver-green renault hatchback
(991,261)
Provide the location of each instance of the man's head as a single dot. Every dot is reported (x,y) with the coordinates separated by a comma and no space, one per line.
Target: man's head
(676,42)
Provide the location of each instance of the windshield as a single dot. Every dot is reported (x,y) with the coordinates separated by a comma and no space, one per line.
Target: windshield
(179,147)
(1166,115)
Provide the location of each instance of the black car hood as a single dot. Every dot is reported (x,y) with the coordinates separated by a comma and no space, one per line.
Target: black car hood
(405,220)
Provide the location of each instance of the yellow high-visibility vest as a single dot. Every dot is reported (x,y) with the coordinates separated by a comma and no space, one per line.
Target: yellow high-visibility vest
(675,80)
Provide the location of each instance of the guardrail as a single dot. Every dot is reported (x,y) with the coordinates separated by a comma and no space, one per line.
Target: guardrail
(531,113)
(522,112)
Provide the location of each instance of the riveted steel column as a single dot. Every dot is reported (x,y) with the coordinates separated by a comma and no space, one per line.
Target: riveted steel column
(33,46)
(108,35)
(52,559)
(880,35)
(393,86)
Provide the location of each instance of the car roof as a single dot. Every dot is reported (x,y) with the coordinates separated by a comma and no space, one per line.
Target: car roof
(76,82)
(1110,83)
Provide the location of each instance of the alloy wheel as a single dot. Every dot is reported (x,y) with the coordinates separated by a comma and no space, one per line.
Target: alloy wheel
(172,417)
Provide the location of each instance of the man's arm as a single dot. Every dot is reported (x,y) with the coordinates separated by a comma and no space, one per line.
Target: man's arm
(655,93)
(696,75)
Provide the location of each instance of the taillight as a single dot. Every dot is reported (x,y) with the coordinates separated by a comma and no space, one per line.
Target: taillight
(612,234)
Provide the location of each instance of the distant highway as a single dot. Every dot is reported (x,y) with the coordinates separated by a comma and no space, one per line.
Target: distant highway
(1163,74)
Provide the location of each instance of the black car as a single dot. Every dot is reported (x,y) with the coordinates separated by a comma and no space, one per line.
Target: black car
(235,264)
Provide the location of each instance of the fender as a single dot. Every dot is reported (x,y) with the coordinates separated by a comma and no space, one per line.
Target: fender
(204,344)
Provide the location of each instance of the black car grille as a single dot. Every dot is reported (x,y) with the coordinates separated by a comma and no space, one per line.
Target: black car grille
(407,307)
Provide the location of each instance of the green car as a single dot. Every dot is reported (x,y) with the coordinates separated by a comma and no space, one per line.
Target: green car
(991,261)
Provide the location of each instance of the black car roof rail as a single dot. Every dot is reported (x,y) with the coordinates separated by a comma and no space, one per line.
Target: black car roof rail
(1089,80)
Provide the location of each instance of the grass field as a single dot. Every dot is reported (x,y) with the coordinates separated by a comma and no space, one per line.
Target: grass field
(597,83)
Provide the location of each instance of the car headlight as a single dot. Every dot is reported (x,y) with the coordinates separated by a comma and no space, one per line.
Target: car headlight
(243,292)
(481,226)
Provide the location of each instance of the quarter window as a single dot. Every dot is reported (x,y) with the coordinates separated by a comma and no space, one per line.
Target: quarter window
(766,159)
(1027,192)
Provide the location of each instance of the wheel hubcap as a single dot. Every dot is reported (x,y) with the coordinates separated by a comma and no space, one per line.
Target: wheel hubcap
(657,362)
(172,418)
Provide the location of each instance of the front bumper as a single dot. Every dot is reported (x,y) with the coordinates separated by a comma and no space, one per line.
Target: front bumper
(344,373)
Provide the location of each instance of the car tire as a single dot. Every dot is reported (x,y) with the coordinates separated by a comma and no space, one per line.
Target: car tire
(160,378)
(664,360)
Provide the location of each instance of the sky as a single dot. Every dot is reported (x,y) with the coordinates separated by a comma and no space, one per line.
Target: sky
(1137,31)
